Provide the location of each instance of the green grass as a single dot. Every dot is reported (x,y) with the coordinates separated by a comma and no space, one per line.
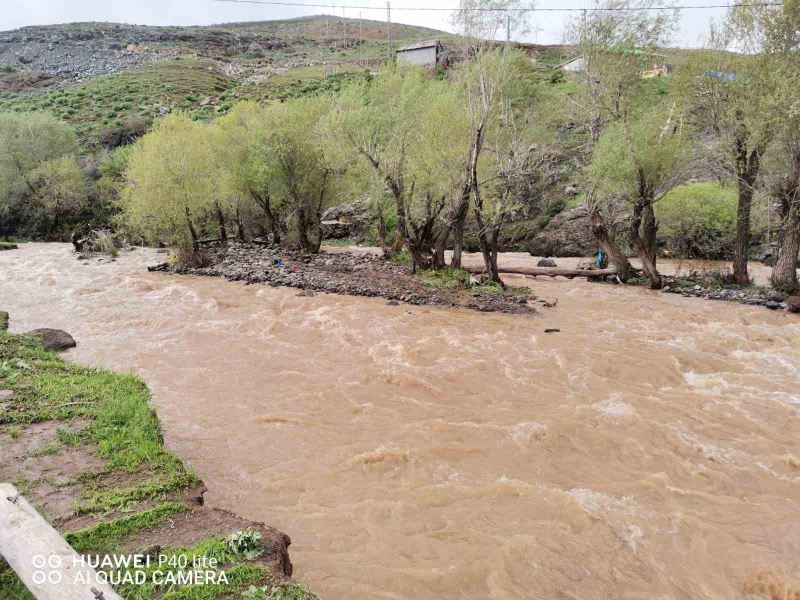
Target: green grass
(120,421)
(110,101)
(105,535)
(448,277)
(299,82)
(8,246)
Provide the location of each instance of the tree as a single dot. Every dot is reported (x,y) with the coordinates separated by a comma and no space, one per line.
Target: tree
(59,193)
(300,175)
(172,182)
(638,160)
(241,141)
(479,22)
(737,93)
(395,125)
(770,34)
(506,146)
(26,142)
(617,43)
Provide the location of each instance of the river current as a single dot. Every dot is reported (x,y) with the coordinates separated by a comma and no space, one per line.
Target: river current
(648,450)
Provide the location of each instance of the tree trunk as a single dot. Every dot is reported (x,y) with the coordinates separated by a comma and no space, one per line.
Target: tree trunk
(302,229)
(223,233)
(192,231)
(741,246)
(458,244)
(609,245)
(274,226)
(748,162)
(784,271)
(643,241)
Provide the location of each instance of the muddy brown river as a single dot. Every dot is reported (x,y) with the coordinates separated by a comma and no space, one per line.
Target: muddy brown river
(648,450)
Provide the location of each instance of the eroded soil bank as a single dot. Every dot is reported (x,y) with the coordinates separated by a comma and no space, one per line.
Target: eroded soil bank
(648,450)
(83,447)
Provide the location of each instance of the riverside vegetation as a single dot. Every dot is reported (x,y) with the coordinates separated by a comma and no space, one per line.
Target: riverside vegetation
(436,161)
(86,448)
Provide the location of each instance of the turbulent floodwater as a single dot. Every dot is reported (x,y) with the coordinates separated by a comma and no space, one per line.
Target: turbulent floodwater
(649,450)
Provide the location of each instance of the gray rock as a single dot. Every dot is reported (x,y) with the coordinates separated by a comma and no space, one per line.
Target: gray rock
(53,339)
(775,296)
(546,262)
(773,305)
(569,233)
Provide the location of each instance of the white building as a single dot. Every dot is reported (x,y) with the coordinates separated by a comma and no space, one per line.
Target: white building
(427,54)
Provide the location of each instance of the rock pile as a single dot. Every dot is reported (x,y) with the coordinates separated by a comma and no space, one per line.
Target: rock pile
(345,273)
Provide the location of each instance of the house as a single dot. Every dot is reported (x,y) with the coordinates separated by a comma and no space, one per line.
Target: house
(429,53)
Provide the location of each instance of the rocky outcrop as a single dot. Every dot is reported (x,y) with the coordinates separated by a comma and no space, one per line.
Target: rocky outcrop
(53,339)
(569,233)
(341,222)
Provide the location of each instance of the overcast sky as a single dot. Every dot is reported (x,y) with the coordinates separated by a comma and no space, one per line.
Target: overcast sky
(548,26)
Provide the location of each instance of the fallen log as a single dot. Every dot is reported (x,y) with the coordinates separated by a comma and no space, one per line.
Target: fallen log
(549,271)
(41,558)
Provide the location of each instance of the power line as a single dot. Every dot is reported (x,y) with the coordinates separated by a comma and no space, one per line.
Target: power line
(520,10)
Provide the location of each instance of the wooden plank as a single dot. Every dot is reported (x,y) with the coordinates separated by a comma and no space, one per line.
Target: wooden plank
(41,558)
(549,271)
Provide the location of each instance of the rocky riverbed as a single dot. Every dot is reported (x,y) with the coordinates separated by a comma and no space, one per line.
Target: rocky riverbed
(354,275)
(754,296)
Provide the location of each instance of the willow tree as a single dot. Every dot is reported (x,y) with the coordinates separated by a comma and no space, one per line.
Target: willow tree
(638,160)
(770,35)
(740,96)
(403,127)
(242,144)
(28,141)
(300,175)
(617,43)
(171,191)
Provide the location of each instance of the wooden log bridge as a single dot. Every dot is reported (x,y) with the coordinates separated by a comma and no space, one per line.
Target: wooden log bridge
(41,558)
(567,272)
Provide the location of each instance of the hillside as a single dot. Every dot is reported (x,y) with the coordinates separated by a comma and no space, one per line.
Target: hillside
(100,76)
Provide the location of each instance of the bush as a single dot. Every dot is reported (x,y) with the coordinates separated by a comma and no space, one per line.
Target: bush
(697,220)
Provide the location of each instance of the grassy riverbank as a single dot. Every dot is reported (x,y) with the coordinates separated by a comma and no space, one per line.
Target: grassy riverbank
(86,448)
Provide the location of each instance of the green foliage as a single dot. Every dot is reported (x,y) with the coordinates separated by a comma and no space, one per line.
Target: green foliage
(112,100)
(37,174)
(697,220)
(448,277)
(640,160)
(172,176)
(246,543)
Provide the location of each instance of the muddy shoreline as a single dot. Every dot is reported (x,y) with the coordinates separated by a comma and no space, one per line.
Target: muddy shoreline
(353,275)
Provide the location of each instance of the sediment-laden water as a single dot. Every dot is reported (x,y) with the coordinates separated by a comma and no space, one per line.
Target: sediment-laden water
(648,450)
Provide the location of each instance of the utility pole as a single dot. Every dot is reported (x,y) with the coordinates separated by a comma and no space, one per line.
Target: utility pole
(388,33)
(361,40)
(344,27)
(508,32)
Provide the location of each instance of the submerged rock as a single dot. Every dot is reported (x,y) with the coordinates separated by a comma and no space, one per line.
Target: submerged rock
(793,304)
(53,339)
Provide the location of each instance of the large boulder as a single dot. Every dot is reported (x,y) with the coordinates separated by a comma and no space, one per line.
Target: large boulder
(53,339)
(348,221)
(793,304)
(569,233)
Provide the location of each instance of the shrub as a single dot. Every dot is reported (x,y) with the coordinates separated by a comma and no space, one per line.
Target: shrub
(697,220)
